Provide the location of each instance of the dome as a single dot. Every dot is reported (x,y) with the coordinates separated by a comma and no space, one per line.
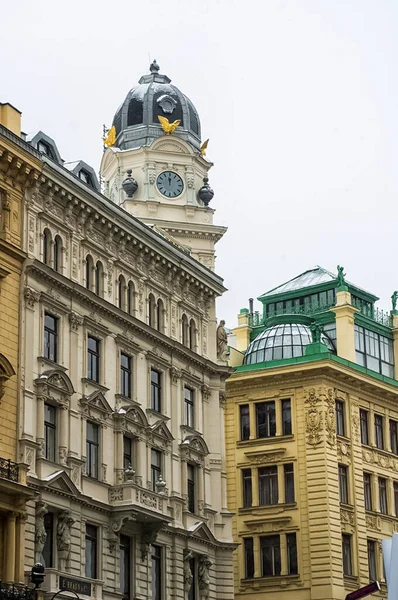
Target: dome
(281,341)
(136,120)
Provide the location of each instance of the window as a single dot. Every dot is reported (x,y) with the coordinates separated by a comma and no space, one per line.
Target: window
(268,485)
(57,256)
(379,437)
(99,277)
(367,490)
(125,375)
(189,407)
(184,330)
(395,487)
(125,566)
(191,488)
(192,335)
(159,315)
(346,551)
(151,310)
(288,472)
(50,431)
(48,550)
(45,148)
(192,594)
(130,298)
(394,436)
(244,422)
(247,488)
(340,425)
(363,418)
(374,351)
(156,467)
(91,551)
(156,555)
(89,272)
(383,506)
(46,247)
(270,556)
(265,418)
(93,351)
(127,452)
(156,390)
(286,417)
(343,484)
(50,337)
(292,567)
(92,450)
(372,560)
(122,293)
(86,177)
(249,557)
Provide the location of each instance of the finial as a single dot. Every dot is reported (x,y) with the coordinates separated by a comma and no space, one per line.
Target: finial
(154,68)
(129,184)
(205,193)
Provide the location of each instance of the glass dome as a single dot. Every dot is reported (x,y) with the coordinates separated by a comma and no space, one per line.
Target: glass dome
(281,341)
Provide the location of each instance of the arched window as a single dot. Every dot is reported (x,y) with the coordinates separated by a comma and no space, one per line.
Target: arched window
(160,315)
(47,246)
(184,330)
(151,310)
(122,293)
(89,272)
(130,298)
(192,335)
(57,256)
(99,278)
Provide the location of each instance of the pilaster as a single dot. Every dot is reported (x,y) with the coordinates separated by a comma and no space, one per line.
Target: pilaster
(345,330)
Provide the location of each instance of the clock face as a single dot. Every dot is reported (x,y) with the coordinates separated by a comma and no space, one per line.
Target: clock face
(169,184)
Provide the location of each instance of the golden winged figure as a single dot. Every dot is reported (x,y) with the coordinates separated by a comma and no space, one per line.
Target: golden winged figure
(110,138)
(168,127)
(204,147)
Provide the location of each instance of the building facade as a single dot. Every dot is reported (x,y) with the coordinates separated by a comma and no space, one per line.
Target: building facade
(312,440)
(18,169)
(122,398)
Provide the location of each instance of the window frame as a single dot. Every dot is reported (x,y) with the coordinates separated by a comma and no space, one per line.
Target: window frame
(379,431)
(288,479)
(125,566)
(343,484)
(393,427)
(244,427)
(127,456)
(126,375)
(383,495)
(51,337)
(291,551)
(92,451)
(340,417)
(93,540)
(49,527)
(367,491)
(156,391)
(275,558)
(248,551)
(268,485)
(156,560)
(372,561)
(50,430)
(287,428)
(346,548)
(93,358)
(364,426)
(247,488)
(191,488)
(156,469)
(189,407)
(269,423)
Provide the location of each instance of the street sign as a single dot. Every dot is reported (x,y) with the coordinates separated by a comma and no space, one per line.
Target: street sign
(364,591)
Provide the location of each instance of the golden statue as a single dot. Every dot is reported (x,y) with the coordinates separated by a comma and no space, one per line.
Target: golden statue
(168,127)
(110,139)
(204,147)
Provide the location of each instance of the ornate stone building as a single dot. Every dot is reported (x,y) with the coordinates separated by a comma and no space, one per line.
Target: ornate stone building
(122,395)
(312,440)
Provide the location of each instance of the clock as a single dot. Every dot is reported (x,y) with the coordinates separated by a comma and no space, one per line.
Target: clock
(169,184)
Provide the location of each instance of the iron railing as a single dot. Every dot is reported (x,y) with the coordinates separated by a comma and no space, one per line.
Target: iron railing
(377,315)
(255,319)
(9,470)
(10,591)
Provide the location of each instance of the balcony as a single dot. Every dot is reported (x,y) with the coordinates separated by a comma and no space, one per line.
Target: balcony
(9,470)
(9,591)
(143,503)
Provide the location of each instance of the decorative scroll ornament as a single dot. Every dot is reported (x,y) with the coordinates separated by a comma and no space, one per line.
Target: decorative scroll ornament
(313,426)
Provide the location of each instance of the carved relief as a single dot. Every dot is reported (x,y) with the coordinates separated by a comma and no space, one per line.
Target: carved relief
(31,297)
(347,516)
(373,522)
(355,422)
(75,321)
(343,451)
(330,425)
(175,374)
(313,420)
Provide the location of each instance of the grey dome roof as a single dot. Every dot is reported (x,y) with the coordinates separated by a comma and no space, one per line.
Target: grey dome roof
(136,120)
(281,341)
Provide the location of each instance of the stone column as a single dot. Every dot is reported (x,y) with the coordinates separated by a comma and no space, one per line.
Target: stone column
(257,556)
(255,492)
(141,466)
(63,434)
(283,553)
(184,481)
(345,312)
(252,421)
(40,426)
(281,485)
(278,417)
(201,489)
(20,549)
(10,548)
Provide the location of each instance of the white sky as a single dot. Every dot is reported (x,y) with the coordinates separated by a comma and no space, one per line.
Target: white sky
(298,98)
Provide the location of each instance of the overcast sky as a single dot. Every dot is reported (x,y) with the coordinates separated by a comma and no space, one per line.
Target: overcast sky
(298,98)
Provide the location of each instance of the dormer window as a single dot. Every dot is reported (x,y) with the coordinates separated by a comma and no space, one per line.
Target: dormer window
(45,148)
(86,177)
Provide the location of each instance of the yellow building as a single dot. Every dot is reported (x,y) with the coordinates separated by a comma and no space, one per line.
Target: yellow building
(312,440)
(17,171)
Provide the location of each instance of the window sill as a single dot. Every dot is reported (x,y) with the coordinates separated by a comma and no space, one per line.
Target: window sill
(351,581)
(270,580)
(247,510)
(51,363)
(265,440)
(95,384)
(156,413)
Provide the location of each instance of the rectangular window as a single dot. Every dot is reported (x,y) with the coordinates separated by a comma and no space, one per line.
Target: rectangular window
(125,567)
(383,505)
(91,551)
(50,431)
(156,390)
(363,415)
(249,558)
(372,560)
(288,472)
(292,567)
(268,485)
(191,488)
(92,450)
(127,452)
(48,550)
(343,484)
(265,419)
(340,424)
(50,337)
(156,467)
(125,375)
(93,351)
(379,438)
(394,436)
(244,422)
(270,556)
(156,556)
(189,407)
(286,417)
(346,551)
(247,488)
(367,490)
(395,486)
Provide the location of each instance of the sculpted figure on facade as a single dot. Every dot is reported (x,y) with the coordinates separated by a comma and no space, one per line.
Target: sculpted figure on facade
(204,576)
(65,522)
(222,341)
(188,577)
(40,534)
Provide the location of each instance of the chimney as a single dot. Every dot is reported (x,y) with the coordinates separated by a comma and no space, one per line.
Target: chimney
(251,306)
(10,117)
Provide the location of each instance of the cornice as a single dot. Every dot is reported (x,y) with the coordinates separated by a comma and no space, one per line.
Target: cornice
(11,250)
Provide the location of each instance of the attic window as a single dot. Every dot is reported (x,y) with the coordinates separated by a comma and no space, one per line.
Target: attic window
(45,148)
(86,177)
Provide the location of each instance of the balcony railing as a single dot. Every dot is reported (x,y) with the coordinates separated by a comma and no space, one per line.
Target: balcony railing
(256,319)
(9,470)
(383,317)
(9,591)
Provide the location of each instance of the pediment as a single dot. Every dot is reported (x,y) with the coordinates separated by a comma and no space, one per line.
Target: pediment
(96,401)
(171,145)
(6,368)
(56,378)
(202,532)
(137,415)
(61,482)
(195,443)
(160,429)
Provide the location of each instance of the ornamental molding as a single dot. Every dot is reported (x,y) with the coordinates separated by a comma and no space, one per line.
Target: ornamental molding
(377,458)
(344,451)
(313,420)
(260,457)
(31,297)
